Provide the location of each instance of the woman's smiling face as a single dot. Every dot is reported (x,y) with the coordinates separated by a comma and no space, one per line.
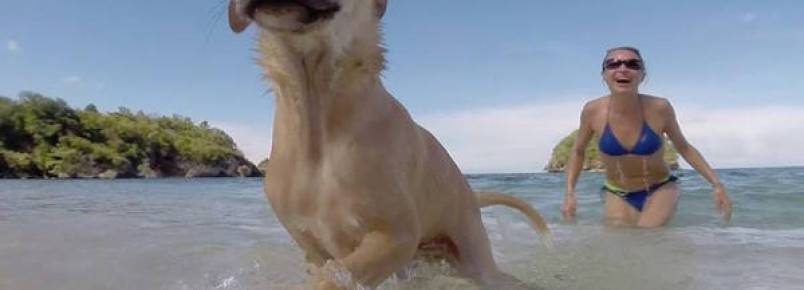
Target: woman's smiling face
(623,71)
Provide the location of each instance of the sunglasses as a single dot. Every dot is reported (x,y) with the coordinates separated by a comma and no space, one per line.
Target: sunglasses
(632,64)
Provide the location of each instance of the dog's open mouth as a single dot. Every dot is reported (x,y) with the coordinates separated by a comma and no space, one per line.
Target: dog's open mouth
(310,10)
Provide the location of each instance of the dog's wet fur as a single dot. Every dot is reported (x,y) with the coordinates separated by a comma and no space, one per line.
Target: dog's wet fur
(360,187)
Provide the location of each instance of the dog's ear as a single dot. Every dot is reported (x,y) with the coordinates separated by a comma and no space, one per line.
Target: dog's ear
(380,6)
(237,22)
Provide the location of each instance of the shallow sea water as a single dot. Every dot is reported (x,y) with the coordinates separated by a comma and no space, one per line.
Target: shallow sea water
(221,234)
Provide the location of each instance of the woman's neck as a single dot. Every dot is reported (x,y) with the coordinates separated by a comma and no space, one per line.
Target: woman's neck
(625,103)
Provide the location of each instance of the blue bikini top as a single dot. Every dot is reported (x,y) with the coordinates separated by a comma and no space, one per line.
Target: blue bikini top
(648,143)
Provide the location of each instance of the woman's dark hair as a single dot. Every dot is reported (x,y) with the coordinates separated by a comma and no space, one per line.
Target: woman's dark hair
(628,48)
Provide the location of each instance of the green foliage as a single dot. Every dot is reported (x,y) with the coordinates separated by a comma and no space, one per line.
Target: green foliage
(44,137)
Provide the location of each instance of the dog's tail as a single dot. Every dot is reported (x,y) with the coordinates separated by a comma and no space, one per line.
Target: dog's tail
(486,198)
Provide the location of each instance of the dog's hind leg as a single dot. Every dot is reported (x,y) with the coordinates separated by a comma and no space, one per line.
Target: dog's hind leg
(475,260)
(474,256)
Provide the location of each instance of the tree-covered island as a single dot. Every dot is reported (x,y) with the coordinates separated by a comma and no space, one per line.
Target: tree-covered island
(43,137)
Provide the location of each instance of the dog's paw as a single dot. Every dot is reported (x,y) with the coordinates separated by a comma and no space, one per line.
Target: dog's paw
(332,276)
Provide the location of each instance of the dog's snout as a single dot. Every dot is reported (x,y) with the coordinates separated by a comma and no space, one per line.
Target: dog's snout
(237,21)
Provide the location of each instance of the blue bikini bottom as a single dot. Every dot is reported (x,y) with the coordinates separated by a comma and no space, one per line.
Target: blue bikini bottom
(637,198)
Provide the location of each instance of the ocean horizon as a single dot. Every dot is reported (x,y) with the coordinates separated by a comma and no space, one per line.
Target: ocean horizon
(220,233)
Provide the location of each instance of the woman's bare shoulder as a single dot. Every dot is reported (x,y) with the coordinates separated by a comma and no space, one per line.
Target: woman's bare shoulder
(659,106)
(594,110)
(596,104)
(657,102)
(654,99)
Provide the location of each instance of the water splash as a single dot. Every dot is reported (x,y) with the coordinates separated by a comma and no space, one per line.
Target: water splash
(337,273)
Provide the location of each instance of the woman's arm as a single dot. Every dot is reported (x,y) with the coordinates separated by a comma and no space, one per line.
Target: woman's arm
(697,161)
(576,160)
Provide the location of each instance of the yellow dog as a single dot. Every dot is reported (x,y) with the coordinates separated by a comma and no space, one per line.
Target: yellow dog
(355,181)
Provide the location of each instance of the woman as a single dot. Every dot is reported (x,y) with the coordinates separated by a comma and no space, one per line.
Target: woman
(639,189)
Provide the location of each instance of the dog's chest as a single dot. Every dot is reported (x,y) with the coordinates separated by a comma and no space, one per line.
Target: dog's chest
(331,231)
(322,215)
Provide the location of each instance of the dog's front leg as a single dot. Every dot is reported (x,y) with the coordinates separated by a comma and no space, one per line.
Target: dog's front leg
(378,256)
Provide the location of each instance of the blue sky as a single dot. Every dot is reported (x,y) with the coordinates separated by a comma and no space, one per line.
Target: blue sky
(498,82)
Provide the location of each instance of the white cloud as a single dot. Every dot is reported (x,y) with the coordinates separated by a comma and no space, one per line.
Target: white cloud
(513,139)
(13,46)
(253,141)
(71,79)
(746,137)
(521,138)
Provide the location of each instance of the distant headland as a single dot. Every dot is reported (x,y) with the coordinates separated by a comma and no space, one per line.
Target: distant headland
(43,137)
